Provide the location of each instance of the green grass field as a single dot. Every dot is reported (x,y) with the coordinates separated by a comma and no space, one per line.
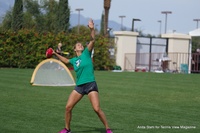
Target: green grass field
(132,102)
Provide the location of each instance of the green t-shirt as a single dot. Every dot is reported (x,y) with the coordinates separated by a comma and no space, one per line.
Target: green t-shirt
(83,67)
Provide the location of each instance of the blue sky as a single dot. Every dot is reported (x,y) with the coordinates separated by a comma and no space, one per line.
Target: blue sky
(149,11)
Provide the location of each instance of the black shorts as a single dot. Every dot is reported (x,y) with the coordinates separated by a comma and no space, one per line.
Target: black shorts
(86,88)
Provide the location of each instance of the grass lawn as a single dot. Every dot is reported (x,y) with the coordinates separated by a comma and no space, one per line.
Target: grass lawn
(132,102)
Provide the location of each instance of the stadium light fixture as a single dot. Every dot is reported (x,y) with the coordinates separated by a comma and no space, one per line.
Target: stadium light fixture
(197,22)
(79,10)
(122,21)
(133,20)
(166,13)
(160,26)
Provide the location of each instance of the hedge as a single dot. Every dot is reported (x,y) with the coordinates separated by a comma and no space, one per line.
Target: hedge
(26,48)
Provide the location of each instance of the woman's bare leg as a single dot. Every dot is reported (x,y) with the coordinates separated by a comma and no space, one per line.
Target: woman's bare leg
(94,99)
(73,99)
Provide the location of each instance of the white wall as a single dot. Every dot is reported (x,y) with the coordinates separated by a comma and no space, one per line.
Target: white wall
(179,43)
(126,42)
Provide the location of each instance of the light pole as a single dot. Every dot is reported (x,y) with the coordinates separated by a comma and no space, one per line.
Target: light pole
(197,22)
(159,21)
(122,21)
(133,20)
(79,10)
(166,13)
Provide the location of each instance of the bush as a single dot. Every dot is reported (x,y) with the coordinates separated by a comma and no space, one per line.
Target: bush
(26,48)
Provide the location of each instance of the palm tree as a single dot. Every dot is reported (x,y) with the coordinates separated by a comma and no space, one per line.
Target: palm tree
(107,4)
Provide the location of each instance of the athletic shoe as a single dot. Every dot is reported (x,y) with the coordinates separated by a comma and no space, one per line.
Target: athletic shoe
(109,131)
(65,131)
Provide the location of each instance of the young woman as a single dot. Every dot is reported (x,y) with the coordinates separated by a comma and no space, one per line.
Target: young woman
(85,81)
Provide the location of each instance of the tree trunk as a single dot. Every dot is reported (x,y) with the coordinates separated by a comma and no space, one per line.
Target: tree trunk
(106,8)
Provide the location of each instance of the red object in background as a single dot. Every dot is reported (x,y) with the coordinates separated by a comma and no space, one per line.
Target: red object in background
(49,53)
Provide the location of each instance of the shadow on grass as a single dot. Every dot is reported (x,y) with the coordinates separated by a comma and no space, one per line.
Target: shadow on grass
(95,130)
(92,130)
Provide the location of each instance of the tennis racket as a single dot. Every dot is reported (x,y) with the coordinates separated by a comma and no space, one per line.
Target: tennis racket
(66,53)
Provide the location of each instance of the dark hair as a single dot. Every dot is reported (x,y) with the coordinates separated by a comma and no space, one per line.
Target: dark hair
(75,44)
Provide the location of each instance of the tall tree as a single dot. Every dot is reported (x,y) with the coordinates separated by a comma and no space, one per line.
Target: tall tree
(63,16)
(51,15)
(17,17)
(102,24)
(107,4)
(7,21)
(32,15)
